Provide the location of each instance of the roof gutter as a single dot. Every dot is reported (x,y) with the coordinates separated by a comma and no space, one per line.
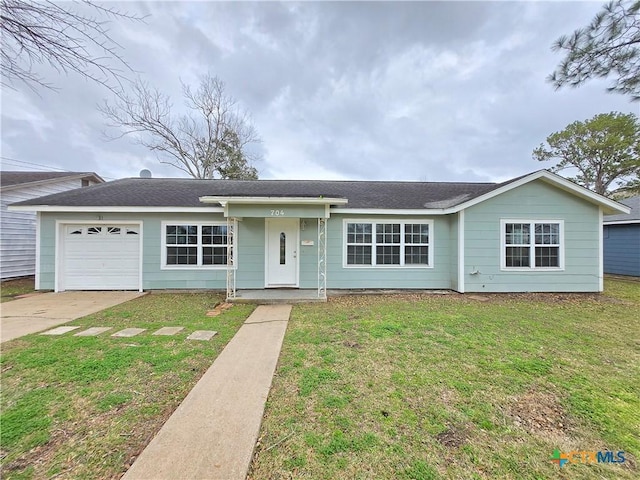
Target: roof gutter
(124,209)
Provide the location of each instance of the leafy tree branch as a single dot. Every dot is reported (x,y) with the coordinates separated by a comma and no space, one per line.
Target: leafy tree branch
(604,150)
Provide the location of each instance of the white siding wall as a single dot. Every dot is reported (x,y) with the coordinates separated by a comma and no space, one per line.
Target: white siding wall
(18,229)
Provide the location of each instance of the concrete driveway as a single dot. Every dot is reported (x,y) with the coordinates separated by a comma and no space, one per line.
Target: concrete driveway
(41,312)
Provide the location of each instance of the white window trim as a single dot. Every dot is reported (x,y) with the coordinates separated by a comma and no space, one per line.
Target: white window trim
(532,245)
(373,244)
(199,245)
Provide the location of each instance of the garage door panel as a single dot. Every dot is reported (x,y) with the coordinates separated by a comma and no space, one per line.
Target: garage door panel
(100,282)
(101,257)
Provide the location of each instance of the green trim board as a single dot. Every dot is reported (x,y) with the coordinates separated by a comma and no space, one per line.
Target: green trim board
(276,210)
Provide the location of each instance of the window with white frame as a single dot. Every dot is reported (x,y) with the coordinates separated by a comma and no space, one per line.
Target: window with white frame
(532,244)
(387,243)
(195,245)
(359,243)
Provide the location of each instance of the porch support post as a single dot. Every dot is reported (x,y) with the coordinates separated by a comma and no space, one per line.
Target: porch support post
(231,260)
(322,258)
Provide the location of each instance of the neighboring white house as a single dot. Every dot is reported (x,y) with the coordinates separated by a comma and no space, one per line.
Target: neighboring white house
(18,229)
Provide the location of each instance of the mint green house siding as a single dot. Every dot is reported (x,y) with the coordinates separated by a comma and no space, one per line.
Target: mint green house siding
(436,276)
(465,243)
(533,201)
(250,255)
(250,251)
(308,254)
(153,275)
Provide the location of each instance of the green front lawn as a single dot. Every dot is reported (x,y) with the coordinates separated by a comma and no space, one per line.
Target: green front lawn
(77,407)
(444,386)
(9,289)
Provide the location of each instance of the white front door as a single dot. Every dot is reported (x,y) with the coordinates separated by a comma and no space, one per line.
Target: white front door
(282,252)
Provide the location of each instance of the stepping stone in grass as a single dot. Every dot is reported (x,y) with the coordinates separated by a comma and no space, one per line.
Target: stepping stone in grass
(59,330)
(92,332)
(129,332)
(201,335)
(168,331)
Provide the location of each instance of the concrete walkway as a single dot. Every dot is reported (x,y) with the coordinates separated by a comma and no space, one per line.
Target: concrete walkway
(41,312)
(212,434)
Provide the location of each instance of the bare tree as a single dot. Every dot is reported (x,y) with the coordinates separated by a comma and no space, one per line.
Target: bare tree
(43,32)
(210,141)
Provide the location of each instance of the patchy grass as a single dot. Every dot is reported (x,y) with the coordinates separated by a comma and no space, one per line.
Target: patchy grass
(9,289)
(76,407)
(429,387)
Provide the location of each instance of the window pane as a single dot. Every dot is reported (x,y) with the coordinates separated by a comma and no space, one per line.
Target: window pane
(517,257)
(416,233)
(388,255)
(182,256)
(182,235)
(517,234)
(283,248)
(220,234)
(214,255)
(416,255)
(388,233)
(214,235)
(359,233)
(547,233)
(358,255)
(547,256)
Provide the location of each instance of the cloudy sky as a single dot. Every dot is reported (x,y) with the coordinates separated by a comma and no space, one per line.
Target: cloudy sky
(431,91)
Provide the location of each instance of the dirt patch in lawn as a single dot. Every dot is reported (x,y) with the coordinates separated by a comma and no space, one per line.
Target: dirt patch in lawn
(219,308)
(357,299)
(39,455)
(351,344)
(453,437)
(540,413)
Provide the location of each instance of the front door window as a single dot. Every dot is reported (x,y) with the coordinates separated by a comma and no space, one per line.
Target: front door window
(283,248)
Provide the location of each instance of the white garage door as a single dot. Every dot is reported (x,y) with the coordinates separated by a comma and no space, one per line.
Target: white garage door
(100,257)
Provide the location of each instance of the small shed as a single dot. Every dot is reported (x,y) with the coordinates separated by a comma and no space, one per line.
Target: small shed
(622,240)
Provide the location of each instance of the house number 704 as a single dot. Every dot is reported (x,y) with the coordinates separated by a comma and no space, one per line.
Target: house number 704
(277,213)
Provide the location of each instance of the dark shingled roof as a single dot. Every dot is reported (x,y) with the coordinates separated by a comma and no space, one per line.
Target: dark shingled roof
(11,178)
(178,192)
(634,216)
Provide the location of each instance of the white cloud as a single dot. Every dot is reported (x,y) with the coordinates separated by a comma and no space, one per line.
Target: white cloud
(384,90)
